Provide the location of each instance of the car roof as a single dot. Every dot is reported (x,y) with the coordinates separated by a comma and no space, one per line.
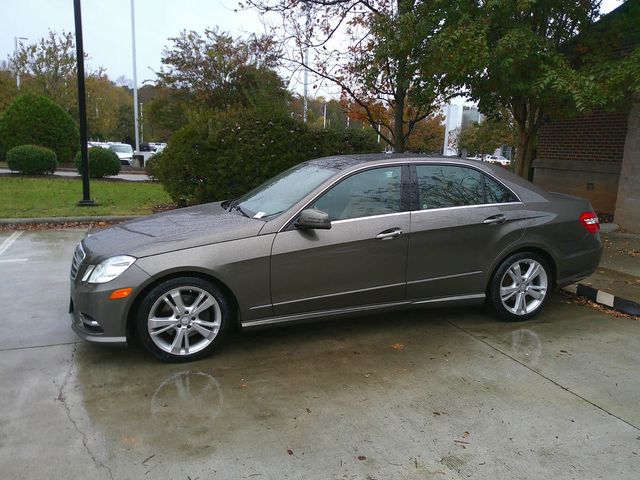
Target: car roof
(525,190)
(343,162)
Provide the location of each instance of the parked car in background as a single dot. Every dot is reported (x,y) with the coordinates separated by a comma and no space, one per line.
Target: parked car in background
(124,152)
(498,160)
(329,238)
(477,158)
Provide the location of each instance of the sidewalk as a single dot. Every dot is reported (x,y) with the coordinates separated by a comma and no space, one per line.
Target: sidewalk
(64,172)
(616,282)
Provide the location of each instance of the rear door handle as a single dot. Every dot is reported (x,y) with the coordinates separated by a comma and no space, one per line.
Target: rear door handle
(389,234)
(495,219)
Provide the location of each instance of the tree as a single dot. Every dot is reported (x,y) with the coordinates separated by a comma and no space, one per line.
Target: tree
(387,62)
(220,71)
(428,135)
(519,58)
(36,120)
(105,102)
(8,89)
(48,67)
(485,137)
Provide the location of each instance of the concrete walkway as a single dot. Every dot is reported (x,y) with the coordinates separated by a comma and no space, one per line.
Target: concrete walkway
(132,177)
(619,271)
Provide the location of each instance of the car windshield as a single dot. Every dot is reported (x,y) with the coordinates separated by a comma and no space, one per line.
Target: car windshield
(282,191)
(121,148)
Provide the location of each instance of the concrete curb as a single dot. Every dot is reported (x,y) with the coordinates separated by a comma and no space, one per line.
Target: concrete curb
(32,221)
(609,227)
(601,297)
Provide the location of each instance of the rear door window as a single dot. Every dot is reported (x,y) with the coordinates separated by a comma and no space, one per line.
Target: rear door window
(445,186)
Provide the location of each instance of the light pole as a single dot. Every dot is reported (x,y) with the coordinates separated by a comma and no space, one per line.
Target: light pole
(135,77)
(82,109)
(15,54)
(324,116)
(305,105)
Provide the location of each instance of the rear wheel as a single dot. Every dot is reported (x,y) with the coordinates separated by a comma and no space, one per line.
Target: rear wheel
(183,319)
(520,286)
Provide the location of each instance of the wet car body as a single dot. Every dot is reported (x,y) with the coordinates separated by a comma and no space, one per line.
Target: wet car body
(275,272)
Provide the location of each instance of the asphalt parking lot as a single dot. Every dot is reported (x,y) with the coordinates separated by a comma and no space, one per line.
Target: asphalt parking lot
(444,394)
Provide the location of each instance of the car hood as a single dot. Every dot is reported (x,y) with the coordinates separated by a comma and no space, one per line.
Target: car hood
(169,231)
(123,154)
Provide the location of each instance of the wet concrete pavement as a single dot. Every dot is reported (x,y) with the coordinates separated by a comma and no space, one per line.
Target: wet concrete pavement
(448,394)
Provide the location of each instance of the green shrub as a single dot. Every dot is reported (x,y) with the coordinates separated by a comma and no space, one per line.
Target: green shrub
(37,120)
(149,167)
(238,150)
(102,163)
(32,160)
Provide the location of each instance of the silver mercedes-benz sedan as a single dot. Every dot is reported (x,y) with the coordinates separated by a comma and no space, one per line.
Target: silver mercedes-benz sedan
(329,238)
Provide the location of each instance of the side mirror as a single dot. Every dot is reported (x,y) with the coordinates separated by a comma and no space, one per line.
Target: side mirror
(311,218)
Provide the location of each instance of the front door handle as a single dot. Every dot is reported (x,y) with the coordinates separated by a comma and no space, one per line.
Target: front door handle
(389,234)
(495,220)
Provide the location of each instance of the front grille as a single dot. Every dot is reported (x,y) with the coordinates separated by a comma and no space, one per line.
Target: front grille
(78,258)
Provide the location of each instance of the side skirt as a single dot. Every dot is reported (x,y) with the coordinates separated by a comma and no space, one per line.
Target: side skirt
(339,312)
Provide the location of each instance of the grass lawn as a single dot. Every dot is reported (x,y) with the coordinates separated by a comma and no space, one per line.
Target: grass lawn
(22,197)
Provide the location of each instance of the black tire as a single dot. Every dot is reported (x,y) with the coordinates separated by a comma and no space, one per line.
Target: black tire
(500,279)
(190,287)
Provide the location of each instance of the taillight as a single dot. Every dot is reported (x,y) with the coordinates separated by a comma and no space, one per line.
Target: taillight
(590,222)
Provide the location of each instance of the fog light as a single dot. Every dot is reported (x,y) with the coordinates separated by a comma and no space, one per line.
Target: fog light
(120,293)
(89,323)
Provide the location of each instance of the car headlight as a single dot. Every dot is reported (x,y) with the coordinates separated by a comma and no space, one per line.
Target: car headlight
(108,269)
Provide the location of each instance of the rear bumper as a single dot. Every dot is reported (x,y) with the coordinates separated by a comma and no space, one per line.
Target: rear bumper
(579,265)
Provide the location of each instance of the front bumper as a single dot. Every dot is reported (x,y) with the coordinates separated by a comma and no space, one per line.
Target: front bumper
(96,318)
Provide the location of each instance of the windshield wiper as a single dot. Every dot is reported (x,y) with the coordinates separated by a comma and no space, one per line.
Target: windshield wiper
(238,208)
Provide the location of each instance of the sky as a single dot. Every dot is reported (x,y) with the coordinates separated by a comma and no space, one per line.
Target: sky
(107,27)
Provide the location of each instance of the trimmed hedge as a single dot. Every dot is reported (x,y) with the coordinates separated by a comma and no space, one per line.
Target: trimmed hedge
(32,160)
(36,120)
(238,150)
(102,163)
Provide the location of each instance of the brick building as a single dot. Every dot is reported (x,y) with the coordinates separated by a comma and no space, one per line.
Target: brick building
(597,156)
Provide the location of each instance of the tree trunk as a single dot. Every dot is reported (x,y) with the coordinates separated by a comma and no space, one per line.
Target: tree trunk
(399,120)
(521,152)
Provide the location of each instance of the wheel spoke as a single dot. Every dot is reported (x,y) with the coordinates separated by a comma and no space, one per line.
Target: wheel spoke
(535,294)
(197,302)
(207,303)
(177,299)
(176,345)
(202,330)
(156,322)
(507,292)
(516,272)
(532,272)
(518,305)
(160,325)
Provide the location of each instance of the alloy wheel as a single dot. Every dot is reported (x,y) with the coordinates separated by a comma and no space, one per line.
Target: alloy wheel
(524,287)
(184,320)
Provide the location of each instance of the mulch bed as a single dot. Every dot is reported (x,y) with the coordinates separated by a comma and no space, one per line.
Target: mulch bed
(163,207)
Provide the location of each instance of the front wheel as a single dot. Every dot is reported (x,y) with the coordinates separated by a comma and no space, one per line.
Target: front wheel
(183,319)
(520,286)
